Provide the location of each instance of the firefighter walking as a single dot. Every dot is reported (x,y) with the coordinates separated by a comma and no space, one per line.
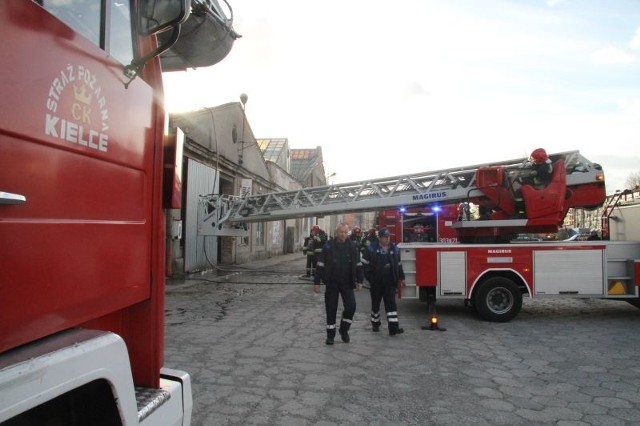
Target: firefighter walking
(340,269)
(383,270)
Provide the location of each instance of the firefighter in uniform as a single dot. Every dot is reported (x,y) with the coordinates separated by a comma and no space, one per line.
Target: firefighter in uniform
(305,251)
(313,247)
(368,240)
(319,239)
(537,172)
(541,169)
(340,269)
(383,270)
(356,236)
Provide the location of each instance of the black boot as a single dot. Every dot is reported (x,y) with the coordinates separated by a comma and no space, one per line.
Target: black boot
(344,332)
(331,334)
(394,329)
(375,321)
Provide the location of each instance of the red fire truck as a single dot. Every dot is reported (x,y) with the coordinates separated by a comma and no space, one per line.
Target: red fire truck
(448,253)
(82,163)
(492,278)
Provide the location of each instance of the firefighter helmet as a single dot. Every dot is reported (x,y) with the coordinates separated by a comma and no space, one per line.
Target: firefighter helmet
(356,231)
(539,156)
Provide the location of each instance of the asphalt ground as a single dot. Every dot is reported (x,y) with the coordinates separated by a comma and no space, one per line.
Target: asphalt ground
(252,339)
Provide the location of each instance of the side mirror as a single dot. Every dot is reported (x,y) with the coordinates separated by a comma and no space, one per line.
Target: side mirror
(157,16)
(207,38)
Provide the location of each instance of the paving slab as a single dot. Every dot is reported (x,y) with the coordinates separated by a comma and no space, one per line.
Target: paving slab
(252,338)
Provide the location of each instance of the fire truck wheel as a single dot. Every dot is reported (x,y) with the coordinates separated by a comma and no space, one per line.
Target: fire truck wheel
(498,299)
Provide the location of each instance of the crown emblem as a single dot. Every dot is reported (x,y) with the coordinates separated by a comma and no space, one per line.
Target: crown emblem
(81,95)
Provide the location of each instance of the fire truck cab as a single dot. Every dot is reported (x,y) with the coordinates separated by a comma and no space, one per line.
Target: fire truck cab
(83,141)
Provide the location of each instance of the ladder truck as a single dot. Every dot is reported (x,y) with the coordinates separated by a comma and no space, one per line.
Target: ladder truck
(87,170)
(478,264)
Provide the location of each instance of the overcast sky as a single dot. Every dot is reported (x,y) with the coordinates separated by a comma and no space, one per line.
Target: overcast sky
(391,88)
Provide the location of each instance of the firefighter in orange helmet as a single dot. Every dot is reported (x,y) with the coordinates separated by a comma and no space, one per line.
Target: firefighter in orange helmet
(542,168)
(356,236)
(368,239)
(537,171)
(313,247)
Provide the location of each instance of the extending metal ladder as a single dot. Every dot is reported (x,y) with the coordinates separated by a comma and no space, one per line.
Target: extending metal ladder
(226,214)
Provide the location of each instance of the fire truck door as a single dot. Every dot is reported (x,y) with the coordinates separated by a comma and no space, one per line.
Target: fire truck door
(453,272)
(77,143)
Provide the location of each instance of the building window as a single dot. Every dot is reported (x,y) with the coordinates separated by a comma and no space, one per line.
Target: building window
(260,234)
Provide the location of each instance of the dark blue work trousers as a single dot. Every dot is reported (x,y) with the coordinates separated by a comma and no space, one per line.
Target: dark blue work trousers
(331,294)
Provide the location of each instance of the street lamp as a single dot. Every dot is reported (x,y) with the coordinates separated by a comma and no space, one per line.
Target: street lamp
(243,100)
(327,177)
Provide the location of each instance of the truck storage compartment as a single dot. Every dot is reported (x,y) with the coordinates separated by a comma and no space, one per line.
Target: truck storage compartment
(569,272)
